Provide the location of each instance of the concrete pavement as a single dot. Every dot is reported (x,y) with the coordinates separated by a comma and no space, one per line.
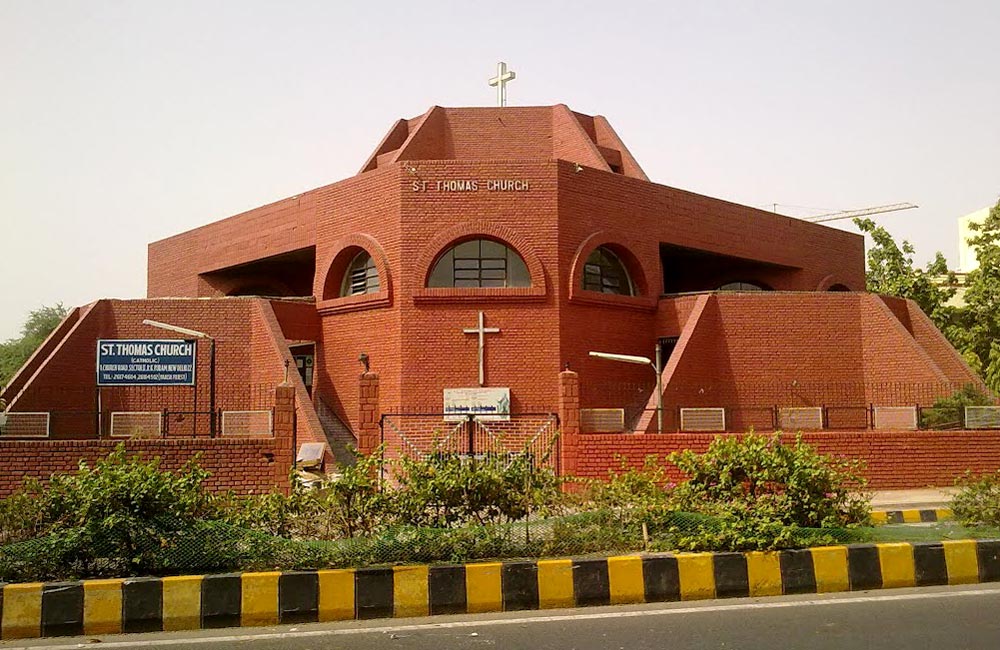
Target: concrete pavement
(918,499)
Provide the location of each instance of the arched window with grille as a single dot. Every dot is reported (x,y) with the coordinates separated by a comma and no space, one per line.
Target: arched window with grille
(361,276)
(604,272)
(479,263)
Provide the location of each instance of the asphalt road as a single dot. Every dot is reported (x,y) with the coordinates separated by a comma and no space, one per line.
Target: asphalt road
(939,618)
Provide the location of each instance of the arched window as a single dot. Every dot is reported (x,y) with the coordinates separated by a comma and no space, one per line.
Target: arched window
(361,276)
(605,273)
(838,287)
(742,286)
(479,263)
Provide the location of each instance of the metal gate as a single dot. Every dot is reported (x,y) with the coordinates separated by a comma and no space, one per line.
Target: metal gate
(419,435)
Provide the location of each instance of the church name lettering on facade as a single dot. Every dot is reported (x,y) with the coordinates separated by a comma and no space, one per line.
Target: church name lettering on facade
(472,185)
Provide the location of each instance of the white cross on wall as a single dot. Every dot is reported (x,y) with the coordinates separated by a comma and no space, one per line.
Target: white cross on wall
(500,81)
(482,331)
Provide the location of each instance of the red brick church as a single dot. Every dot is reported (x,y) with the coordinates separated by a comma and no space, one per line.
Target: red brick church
(475,261)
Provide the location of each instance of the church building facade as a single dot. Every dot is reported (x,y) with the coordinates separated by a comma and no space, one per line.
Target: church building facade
(495,249)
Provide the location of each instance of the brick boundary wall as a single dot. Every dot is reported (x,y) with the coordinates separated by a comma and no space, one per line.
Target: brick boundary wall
(894,459)
(243,465)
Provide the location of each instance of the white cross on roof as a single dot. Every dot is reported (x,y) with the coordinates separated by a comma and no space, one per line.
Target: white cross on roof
(500,81)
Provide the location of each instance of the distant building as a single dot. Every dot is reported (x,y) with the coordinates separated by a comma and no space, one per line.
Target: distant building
(966,254)
(966,257)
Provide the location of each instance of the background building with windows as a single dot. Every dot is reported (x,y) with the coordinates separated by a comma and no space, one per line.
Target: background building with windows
(506,244)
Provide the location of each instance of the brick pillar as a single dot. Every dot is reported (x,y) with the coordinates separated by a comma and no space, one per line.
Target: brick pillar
(284,434)
(569,421)
(369,433)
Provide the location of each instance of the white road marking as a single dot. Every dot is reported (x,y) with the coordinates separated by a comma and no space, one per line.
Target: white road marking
(480,623)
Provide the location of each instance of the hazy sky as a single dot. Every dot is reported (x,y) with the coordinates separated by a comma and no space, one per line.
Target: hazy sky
(125,122)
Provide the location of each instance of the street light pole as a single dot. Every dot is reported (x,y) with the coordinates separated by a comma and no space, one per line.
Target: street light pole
(642,361)
(211,362)
(658,369)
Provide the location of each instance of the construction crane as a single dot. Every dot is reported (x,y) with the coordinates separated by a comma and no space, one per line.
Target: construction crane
(849,214)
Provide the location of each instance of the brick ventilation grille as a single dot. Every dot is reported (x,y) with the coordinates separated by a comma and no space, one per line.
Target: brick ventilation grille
(135,424)
(247,424)
(603,420)
(800,418)
(25,425)
(703,419)
(982,417)
(900,418)
(419,436)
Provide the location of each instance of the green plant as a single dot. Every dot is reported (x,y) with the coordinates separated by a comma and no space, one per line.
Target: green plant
(948,412)
(273,513)
(117,515)
(761,493)
(14,352)
(356,502)
(632,492)
(977,502)
(445,490)
(20,518)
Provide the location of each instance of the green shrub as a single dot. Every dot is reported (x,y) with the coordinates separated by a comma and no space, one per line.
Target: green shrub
(20,517)
(446,490)
(634,495)
(113,517)
(977,502)
(949,412)
(273,513)
(356,502)
(349,504)
(760,493)
(126,516)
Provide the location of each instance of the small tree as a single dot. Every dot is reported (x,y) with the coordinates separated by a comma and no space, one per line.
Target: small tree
(891,272)
(978,330)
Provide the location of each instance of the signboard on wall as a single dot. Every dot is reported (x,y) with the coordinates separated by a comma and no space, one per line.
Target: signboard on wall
(145,362)
(484,403)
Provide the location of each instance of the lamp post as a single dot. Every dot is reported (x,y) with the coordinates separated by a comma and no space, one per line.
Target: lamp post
(211,361)
(642,361)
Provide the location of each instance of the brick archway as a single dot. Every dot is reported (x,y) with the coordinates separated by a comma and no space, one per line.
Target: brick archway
(327,284)
(623,249)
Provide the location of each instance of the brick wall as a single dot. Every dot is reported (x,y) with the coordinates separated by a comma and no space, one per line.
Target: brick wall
(895,459)
(937,346)
(250,362)
(367,204)
(241,465)
(247,369)
(174,264)
(757,350)
(244,465)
